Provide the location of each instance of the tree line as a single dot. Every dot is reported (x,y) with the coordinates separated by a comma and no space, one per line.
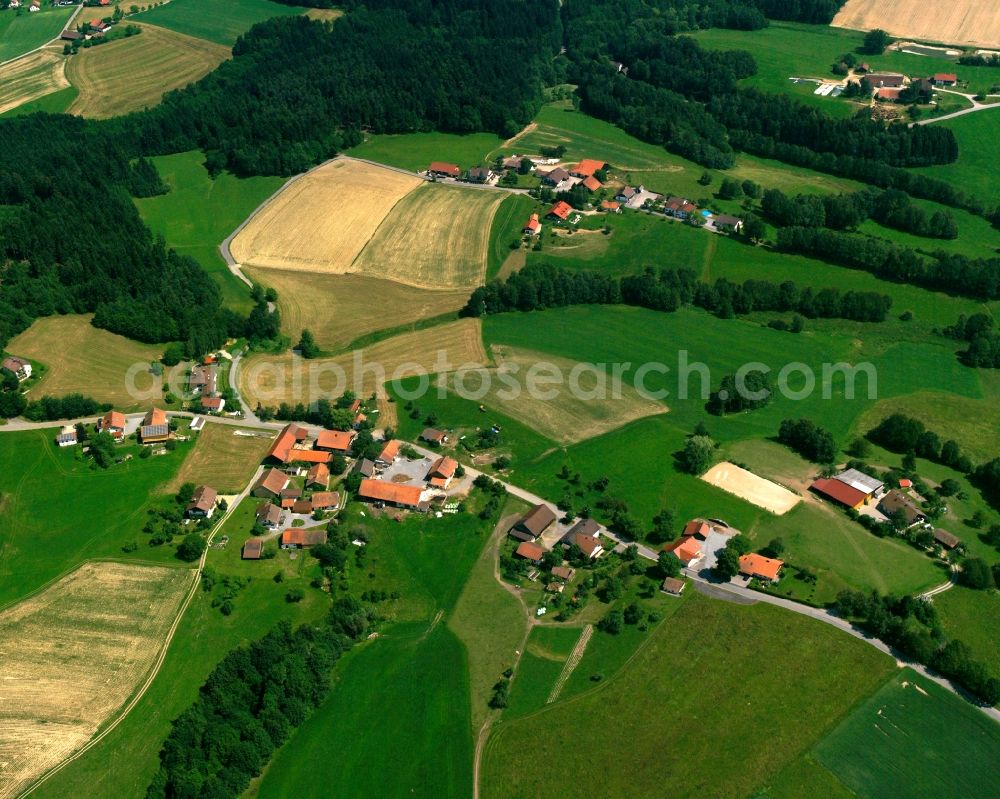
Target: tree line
(891,208)
(978,278)
(984,342)
(901,433)
(540,286)
(808,439)
(252,702)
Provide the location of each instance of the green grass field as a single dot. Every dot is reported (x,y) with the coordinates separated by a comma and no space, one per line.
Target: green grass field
(55,103)
(220,21)
(973,617)
(696,694)
(198,213)
(96,512)
(976,167)
(912,738)
(787,49)
(507,225)
(415,151)
(21,32)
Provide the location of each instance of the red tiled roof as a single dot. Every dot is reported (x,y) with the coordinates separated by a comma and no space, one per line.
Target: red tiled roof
(381,491)
(212,403)
(945,76)
(272,480)
(839,492)
(296,455)
(299,536)
(610,205)
(561,210)
(326,499)
(591,183)
(282,445)
(390,451)
(318,475)
(445,168)
(587,167)
(252,549)
(697,527)
(113,419)
(337,440)
(758,566)
(530,551)
(532,224)
(686,550)
(154,416)
(444,467)
(589,545)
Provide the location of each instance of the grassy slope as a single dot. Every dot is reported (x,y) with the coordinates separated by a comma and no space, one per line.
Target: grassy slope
(219,21)
(198,213)
(507,225)
(134,73)
(976,168)
(903,742)
(692,695)
(414,151)
(56,512)
(367,721)
(973,617)
(23,32)
(55,103)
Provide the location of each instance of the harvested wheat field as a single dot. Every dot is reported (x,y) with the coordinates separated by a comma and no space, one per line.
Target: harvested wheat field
(134,73)
(83,359)
(338,309)
(224,457)
(272,379)
(31,77)
(72,655)
(755,490)
(435,237)
(322,220)
(960,22)
(584,404)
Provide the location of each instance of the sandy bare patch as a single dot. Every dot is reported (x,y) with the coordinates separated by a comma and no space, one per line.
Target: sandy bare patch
(435,237)
(72,655)
(960,22)
(755,490)
(271,380)
(323,220)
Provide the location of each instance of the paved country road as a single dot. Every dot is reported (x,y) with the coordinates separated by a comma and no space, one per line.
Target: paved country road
(976,106)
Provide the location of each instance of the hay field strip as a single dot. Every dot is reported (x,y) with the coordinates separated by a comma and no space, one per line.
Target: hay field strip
(583,405)
(754,489)
(72,655)
(82,358)
(338,309)
(134,73)
(223,460)
(960,22)
(436,237)
(272,379)
(320,222)
(31,77)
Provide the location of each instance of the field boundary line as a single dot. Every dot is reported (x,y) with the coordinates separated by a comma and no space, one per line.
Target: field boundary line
(161,657)
(571,663)
(42,46)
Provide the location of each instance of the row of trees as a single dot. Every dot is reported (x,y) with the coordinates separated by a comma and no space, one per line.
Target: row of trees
(891,208)
(541,286)
(903,434)
(984,342)
(251,703)
(978,278)
(808,439)
(912,626)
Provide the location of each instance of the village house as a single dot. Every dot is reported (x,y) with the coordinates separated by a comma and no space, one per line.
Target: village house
(67,436)
(291,492)
(302,507)
(699,528)
(325,500)
(897,502)
(444,170)
(71,36)
(297,455)
(839,492)
(564,573)
(389,453)
(673,586)
(561,210)
(535,522)
(270,485)
(481,174)
(727,224)
(301,538)
(433,436)
(880,79)
(529,551)
(758,567)
(202,380)
(592,184)
(252,549)
(592,548)
(868,485)
(268,514)
(365,467)
(112,422)
(281,449)
(442,472)
(20,367)
(686,550)
(554,176)
(380,492)
(202,504)
(944,78)
(586,168)
(627,193)
(888,93)
(212,404)
(946,539)
(336,441)
(513,162)
(318,476)
(679,207)
(586,534)
(611,206)
(533,226)
(155,427)
(197,423)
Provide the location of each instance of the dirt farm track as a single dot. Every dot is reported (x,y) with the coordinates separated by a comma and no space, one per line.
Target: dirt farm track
(969,22)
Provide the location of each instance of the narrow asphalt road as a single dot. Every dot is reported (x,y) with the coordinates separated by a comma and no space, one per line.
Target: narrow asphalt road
(976,106)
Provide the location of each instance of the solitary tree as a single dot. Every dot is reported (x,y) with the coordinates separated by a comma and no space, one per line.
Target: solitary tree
(307,345)
(697,454)
(876,41)
(669,565)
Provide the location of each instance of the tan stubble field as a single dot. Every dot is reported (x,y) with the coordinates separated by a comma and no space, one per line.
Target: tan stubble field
(960,22)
